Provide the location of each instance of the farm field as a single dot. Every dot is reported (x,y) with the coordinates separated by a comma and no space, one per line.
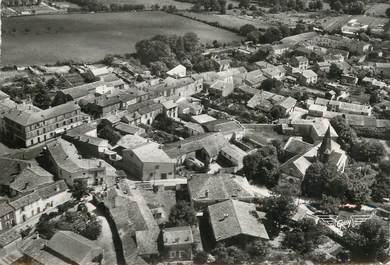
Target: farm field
(377,9)
(227,20)
(89,37)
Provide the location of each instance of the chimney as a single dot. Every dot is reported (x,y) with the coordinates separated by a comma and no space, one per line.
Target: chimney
(206,193)
(224,217)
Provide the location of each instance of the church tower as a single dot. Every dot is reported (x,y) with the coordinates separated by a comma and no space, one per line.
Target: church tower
(326,147)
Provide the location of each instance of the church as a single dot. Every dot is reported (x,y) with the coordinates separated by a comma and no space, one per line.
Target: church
(302,154)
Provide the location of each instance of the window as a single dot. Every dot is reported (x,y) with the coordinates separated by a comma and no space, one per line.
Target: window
(22,209)
(172,254)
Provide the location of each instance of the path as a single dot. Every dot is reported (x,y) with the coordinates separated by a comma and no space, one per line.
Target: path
(105,241)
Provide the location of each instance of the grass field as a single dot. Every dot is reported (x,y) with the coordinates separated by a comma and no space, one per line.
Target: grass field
(378,9)
(89,37)
(227,20)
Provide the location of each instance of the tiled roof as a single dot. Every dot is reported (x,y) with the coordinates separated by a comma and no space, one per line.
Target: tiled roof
(204,187)
(30,178)
(5,209)
(232,218)
(213,141)
(9,237)
(49,190)
(177,236)
(151,152)
(25,200)
(73,246)
(26,118)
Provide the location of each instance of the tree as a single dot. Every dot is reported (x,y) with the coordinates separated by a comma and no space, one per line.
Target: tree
(388,12)
(360,179)
(355,8)
(245,29)
(79,190)
(182,214)
(336,5)
(42,99)
(335,72)
(381,187)
(279,209)
(284,30)
(367,241)
(244,4)
(267,84)
(255,36)
(257,248)
(230,6)
(229,255)
(222,4)
(330,205)
(347,135)
(367,151)
(60,98)
(158,68)
(304,237)
(108,133)
(262,166)
(272,34)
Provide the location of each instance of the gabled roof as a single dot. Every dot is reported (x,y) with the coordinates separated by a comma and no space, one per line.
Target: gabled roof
(214,141)
(232,218)
(205,187)
(25,118)
(177,236)
(73,246)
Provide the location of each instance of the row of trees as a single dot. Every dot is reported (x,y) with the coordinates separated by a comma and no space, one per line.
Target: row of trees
(210,5)
(271,35)
(353,7)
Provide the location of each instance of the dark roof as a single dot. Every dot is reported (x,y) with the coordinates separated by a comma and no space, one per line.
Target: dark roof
(9,236)
(144,107)
(213,141)
(49,190)
(25,200)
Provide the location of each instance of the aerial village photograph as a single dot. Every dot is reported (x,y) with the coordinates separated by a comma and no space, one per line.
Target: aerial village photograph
(184,132)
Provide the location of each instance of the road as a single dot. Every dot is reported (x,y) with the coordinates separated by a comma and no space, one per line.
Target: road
(105,241)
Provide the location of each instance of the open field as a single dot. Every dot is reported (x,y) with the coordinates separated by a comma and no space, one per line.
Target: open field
(89,37)
(149,3)
(232,21)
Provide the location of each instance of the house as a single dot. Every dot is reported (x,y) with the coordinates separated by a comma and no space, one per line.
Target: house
(7,217)
(265,100)
(221,88)
(178,243)
(234,155)
(177,71)
(280,49)
(231,129)
(205,147)
(263,64)
(286,105)
(178,87)
(255,78)
(88,146)
(75,248)
(276,72)
(147,161)
(205,189)
(68,165)
(189,106)
(35,203)
(193,128)
(105,105)
(223,64)
(27,128)
(171,109)
(125,129)
(79,92)
(369,126)
(343,107)
(307,77)
(313,130)
(322,66)
(35,252)
(300,62)
(234,221)
(349,79)
(143,112)
(202,118)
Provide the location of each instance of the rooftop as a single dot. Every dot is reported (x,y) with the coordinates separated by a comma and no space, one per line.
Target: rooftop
(177,236)
(232,218)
